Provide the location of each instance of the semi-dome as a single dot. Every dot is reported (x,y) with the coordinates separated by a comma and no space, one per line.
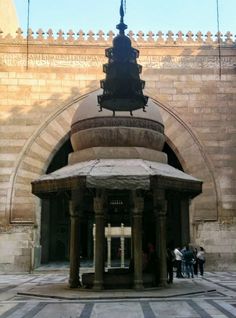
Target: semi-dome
(91,128)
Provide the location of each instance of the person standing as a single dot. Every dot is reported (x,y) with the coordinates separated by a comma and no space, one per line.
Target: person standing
(201,260)
(178,259)
(195,263)
(170,259)
(188,258)
(183,267)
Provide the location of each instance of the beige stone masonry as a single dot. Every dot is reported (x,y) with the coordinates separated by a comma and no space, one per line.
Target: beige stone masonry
(182,76)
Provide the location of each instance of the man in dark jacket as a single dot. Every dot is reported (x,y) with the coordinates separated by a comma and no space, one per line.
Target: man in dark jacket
(189,258)
(170,259)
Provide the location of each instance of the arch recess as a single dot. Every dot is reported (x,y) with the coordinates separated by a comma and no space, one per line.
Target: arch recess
(193,158)
(48,138)
(35,157)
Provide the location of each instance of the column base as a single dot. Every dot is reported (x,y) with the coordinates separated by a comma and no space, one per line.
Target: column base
(98,285)
(74,283)
(138,285)
(162,282)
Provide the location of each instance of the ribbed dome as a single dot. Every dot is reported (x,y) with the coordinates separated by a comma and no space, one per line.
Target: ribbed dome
(91,128)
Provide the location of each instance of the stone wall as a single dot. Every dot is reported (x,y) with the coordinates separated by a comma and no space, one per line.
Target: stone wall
(42,83)
(218,238)
(16,249)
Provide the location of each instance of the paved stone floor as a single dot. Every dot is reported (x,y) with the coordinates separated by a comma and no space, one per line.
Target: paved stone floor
(45,295)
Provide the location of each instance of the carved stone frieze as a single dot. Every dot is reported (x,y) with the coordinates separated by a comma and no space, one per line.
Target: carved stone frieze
(52,60)
(95,61)
(187,62)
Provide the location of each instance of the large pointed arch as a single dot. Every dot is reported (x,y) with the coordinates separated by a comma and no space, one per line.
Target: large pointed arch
(48,138)
(35,157)
(194,160)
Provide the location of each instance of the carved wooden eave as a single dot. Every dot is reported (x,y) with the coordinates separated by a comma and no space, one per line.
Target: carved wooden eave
(47,188)
(184,187)
(120,174)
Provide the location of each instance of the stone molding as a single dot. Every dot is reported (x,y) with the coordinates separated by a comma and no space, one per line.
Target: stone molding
(117,121)
(100,38)
(117,153)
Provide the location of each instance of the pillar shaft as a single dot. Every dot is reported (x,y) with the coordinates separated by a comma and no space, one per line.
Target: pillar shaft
(74,281)
(109,252)
(109,245)
(90,239)
(100,240)
(137,241)
(160,210)
(122,252)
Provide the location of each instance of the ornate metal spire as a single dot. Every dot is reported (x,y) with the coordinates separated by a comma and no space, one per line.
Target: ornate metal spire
(121,26)
(122,88)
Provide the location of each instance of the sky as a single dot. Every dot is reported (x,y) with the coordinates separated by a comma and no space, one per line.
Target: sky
(148,15)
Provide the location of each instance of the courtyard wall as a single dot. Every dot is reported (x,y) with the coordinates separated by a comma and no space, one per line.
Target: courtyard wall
(42,82)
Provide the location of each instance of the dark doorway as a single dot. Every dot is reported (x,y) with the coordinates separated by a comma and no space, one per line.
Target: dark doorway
(172,158)
(177,230)
(55,216)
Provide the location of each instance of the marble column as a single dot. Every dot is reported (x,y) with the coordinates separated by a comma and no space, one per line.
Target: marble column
(99,203)
(90,239)
(94,244)
(138,204)
(74,280)
(160,211)
(122,256)
(109,245)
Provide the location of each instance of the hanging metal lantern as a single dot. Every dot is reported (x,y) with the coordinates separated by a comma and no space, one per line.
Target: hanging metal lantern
(122,88)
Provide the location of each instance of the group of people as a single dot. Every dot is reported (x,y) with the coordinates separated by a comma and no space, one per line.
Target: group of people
(187,261)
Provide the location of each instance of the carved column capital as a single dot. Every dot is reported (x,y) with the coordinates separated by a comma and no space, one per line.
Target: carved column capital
(138,204)
(159,203)
(162,209)
(76,203)
(99,203)
(75,211)
(138,207)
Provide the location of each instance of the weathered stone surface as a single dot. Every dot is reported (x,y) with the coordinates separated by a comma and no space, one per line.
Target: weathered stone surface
(117,153)
(197,107)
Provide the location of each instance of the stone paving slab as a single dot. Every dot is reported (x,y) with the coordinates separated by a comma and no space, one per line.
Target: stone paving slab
(183,308)
(181,287)
(214,296)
